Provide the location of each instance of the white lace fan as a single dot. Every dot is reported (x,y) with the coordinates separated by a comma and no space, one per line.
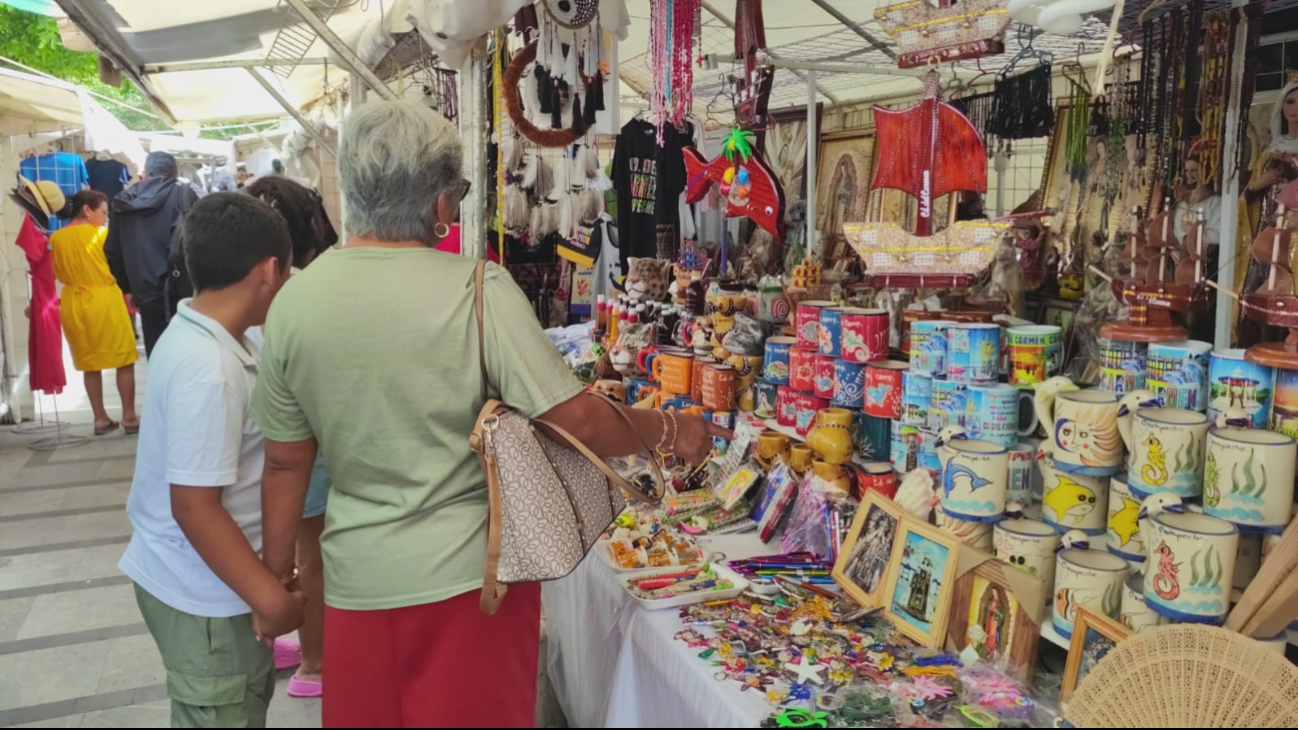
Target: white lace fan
(1188,676)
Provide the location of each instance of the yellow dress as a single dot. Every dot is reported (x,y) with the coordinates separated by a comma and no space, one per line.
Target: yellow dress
(95,319)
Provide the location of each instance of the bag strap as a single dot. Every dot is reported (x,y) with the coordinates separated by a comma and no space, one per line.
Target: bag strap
(479,274)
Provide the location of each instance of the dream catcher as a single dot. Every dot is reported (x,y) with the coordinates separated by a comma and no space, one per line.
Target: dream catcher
(561,74)
(571,14)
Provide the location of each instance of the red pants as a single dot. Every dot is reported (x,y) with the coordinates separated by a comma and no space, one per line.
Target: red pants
(438,665)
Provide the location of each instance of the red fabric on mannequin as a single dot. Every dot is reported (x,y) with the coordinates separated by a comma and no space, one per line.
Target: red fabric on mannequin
(45,333)
(442,664)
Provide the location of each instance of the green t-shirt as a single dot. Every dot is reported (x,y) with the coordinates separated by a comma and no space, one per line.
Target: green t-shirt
(374,352)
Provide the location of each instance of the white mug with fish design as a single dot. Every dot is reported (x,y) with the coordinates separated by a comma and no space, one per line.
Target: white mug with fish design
(1092,579)
(1248,478)
(1029,545)
(1124,538)
(1191,566)
(1136,613)
(1082,428)
(1167,451)
(974,479)
(1073,501)
(973,534)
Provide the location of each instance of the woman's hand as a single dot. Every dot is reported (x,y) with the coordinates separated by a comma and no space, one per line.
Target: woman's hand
(694,438)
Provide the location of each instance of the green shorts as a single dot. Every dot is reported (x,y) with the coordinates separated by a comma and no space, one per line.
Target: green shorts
(218,674)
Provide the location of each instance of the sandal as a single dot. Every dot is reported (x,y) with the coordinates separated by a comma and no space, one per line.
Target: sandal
(106,428)
(287,655)
(304,688)
(131,429)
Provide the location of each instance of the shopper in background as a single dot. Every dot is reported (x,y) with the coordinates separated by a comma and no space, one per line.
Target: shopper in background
(143,222)
(371,356)
(95,320)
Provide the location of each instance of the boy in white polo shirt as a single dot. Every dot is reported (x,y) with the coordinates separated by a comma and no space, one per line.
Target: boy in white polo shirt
(195,503)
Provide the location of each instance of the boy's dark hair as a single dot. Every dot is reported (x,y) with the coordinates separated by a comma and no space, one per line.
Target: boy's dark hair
(92,198)
(226,235)
(300,210)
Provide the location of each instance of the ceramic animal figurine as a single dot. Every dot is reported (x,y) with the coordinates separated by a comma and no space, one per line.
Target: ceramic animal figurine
(646,279)
(631,339)
(1074,540)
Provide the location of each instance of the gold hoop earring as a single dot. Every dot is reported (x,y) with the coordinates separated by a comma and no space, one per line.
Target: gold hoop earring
(441,230)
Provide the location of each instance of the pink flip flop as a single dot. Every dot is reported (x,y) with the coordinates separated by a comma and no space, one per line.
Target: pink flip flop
(303,689)
(287,655)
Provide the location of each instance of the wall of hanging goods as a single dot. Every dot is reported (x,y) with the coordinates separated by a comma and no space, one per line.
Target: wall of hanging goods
(998,301)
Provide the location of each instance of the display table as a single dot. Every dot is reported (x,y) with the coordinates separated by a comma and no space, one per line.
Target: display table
(616,664)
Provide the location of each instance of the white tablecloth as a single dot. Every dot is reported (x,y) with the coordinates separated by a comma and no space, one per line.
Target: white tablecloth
(615,664)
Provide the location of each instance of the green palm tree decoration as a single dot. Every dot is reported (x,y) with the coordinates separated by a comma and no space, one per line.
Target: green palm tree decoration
(739,142)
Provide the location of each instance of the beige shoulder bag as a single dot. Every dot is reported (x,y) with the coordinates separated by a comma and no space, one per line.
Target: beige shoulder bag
(549,500)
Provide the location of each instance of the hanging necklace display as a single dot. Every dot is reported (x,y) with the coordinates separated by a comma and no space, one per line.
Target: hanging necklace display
(671,61)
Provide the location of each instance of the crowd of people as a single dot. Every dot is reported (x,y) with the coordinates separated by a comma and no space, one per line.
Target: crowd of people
(303,462)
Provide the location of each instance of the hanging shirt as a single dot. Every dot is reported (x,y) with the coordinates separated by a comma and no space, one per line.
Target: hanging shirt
(45,334)
(64,169)
(648,180)
(109,177)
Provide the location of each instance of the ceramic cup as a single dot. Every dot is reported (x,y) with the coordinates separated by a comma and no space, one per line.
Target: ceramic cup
(835,474)
(929,459)
(1082,429)
(802,370)
(1136,613)
(800,458)
(928,346)
(824,376)
(1284,403)
(807,321)
(777,359)
(1167,448)
(1124,539)
(907,442)
(876,476)
(1123,365)
(1248,478)
(1036,353)
(1073,501)
(849,384)
(674,371)
(701,363)
(1237,386)
(872,436)
(831,438)
(808,406)
(1022,463)
(975,477)
(974,534)
(1028,545)
(908,319)
(1178,373)
(994,410)
(719,388)
(746,368)
(865,335)
(831,331)
(916,398)
(1191,566)
(767,396)
(950,406)
(973,353)
(1087,578)
(786,406)
(771,446)
(883,386)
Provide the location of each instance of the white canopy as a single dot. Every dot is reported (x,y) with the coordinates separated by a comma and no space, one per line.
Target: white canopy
(30,104)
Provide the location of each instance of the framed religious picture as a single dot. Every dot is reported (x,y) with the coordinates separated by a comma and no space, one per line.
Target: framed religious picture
(987,616)
(863,561)
(921,581)
(785,147)
(842,188)
(1094,636)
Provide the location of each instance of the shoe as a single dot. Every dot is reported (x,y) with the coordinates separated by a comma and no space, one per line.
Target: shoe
(107,428)
(303,689)
(287,655)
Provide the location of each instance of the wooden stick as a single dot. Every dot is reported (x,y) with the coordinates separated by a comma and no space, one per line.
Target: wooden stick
(1100,274)
(1221,288)
(1279,610)
(1277,567)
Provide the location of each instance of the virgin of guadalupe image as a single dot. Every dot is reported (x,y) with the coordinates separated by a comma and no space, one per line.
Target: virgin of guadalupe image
(993,615)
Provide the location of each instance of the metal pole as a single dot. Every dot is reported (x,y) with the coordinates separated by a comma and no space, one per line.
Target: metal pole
(772,55)
(813,140)
(347,56)
(866,69)
(166,68)
(293,112)
(1227,247)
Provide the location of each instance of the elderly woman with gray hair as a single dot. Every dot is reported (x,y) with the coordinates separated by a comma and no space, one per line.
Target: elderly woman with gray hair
(371,356)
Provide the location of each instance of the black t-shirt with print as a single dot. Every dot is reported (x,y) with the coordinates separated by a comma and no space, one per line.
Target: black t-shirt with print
(649,180)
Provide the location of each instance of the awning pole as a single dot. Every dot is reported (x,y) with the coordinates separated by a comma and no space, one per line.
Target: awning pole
(813,140)
(1227,246)
(293,112)
(347,56)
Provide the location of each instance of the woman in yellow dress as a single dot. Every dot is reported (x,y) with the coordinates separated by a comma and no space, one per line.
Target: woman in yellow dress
(95,320)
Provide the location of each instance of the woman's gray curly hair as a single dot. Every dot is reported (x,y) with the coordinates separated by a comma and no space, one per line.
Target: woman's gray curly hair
(396,158)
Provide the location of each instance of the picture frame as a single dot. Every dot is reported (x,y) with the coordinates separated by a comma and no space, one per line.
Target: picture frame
(784,146)
(1094,636)
(845,171)
(988,616)
(866,556)
(921,582)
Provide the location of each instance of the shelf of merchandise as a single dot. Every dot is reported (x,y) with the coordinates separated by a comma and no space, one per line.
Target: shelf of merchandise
(792,433)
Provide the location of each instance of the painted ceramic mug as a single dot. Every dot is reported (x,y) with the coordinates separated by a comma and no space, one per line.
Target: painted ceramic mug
(1022,463)
(1087,578)
(808,406)
(786,406)
(807,320)
(766,399)
(1124,538)
(872,436)
(800,458)
(1191,566)
(974,479)
(929,459)
(1036,353)
(1284,403)
(1248,478)
(719,387)
(771,446)
(916,398)
(674,371)
(907,442)
(1167,448)
(974,534)
(1029,545)
(1082,428)
(883,384)
(802,370)
(950,406)
(1236,385)
(849,384)
(876,476)
(835,474)
(746,369)
(928,346)
(777,359)
(1073,501)
(701,363)
(824,376)
(1136,613)
(1178,373)
(832,435)
(865,335)
(994,413)
(1124,365)
(973,352)
(831,331)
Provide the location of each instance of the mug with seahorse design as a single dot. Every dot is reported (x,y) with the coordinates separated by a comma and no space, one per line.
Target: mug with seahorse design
(1191,566)
(1168,448)
(1248,478)
(1083,429)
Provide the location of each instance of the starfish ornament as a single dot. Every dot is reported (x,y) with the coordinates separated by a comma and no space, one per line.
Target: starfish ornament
(806,672)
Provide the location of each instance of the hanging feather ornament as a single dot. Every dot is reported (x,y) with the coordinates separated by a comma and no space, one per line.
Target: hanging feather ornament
(578,120)
(536,87)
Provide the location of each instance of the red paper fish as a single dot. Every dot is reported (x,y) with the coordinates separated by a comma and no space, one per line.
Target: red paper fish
(755,192)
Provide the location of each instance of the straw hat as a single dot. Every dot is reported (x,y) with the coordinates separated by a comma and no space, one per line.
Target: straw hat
(43,199)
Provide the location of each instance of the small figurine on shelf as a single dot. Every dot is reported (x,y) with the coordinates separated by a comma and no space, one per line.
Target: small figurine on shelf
(646,279)
(807,275)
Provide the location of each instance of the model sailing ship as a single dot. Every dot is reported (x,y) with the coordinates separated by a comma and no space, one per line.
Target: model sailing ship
(1159,290)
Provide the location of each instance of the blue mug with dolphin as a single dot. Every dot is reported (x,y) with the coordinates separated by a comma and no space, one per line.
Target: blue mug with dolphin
(974,479)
